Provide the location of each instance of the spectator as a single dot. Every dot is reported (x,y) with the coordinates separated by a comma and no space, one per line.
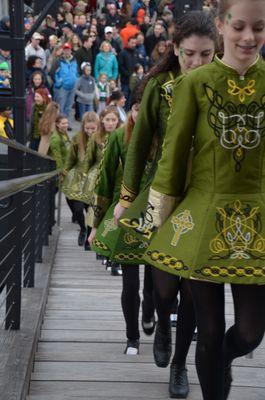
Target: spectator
(146,25)
(67,32)
(142,8)
(158,53)
(116,44)
(129,31)
(118,100)
(33,65)
(49,29)
(152,39)
(36,82)
(5,75)
(34,49)
(101,26)
(106,62)
(84,54)
(6,123)
(41,100)
(86,90)
(5,55)
(76,43)
(5,24)
(140,50)
(103,92)
(127,61)
(183,6)
(81,26)
(60,20)
(112,17)
(112,85)
(136,78)
(65,80)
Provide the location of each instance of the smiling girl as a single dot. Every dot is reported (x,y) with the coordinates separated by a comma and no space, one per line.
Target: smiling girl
(216,233)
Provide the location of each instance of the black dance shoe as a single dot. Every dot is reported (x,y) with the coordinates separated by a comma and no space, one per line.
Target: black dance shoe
(132,347)
(227,381)
(148,325)
(81,237)
(162,347)
(178,384)
(116,269)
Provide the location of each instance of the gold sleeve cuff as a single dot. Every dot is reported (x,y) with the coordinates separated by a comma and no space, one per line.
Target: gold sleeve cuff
(127,196)
(97,210)
(161,206)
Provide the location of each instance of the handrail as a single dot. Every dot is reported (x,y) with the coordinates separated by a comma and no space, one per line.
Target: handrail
(18,146)
(12,186)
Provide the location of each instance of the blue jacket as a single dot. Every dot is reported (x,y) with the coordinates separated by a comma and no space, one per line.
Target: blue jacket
(106,63)
(66,75)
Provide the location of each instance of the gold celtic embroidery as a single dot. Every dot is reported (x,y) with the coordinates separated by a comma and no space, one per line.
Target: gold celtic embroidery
(128,257)
(100,245)
(239,235)
(236,90)
(109,226)
(131,240)
(239,128)
(167,260)
(231,272)
(182,223)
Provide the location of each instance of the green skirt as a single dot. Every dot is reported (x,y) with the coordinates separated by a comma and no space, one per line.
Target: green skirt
(73,184)
(213,237)
(89,185)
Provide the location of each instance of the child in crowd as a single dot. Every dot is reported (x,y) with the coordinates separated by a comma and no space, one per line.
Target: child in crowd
(86,90)
(4,75)
(103,87)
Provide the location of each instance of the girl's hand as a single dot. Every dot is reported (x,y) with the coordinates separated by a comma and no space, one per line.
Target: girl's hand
(92,235)
(118,212)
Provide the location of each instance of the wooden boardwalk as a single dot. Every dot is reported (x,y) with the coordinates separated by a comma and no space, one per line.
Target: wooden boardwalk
(80,351)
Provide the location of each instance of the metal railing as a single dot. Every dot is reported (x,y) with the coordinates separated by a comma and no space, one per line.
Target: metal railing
(27,214)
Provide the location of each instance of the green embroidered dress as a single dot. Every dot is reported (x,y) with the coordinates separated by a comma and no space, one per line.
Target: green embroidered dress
(74,166)
(148,135)
(58,147)
(93,157)
(217,229)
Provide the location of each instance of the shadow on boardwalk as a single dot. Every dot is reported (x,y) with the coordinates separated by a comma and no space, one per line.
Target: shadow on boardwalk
(80,351)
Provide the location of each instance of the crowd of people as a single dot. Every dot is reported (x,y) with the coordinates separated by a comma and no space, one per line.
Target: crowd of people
(166,169)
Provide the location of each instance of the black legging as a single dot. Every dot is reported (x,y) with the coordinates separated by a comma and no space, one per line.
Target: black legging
(130,298)
(215,348)
(166,288)
(77,208)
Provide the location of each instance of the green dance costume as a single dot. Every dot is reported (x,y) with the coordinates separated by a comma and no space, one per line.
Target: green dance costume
(74,181)
(217,229)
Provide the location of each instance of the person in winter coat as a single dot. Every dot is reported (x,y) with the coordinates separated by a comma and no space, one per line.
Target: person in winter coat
(65,80)
(127,60)
(86,90)
(106,62)
(84,54)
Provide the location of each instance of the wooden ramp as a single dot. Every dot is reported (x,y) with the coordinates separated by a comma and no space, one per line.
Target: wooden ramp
(80,351)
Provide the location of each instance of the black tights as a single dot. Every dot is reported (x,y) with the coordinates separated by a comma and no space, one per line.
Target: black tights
(215,348)
(166,288)
(130,298)
(77,208)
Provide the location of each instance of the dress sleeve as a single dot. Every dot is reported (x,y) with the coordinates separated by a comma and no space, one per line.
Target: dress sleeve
(169,181)
(55,151)
(140,144)
(91,155)
(72,156)
(105,185)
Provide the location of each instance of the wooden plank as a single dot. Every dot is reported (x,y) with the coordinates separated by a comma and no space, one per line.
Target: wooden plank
(118,391)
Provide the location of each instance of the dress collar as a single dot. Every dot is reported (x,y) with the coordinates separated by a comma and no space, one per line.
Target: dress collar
(252,68)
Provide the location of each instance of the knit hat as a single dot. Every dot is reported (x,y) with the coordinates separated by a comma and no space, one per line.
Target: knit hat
(4,66)
(84,64)
(44,93)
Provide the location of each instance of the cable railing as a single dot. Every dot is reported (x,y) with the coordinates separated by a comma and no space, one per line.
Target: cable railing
(28,184)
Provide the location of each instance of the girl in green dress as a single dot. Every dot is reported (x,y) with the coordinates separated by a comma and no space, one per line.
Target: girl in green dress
(194,45)
(74,165)
(109,121)
(105,194)
(214,233)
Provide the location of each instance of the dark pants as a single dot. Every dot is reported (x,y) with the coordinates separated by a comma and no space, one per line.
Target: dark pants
(77,208)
